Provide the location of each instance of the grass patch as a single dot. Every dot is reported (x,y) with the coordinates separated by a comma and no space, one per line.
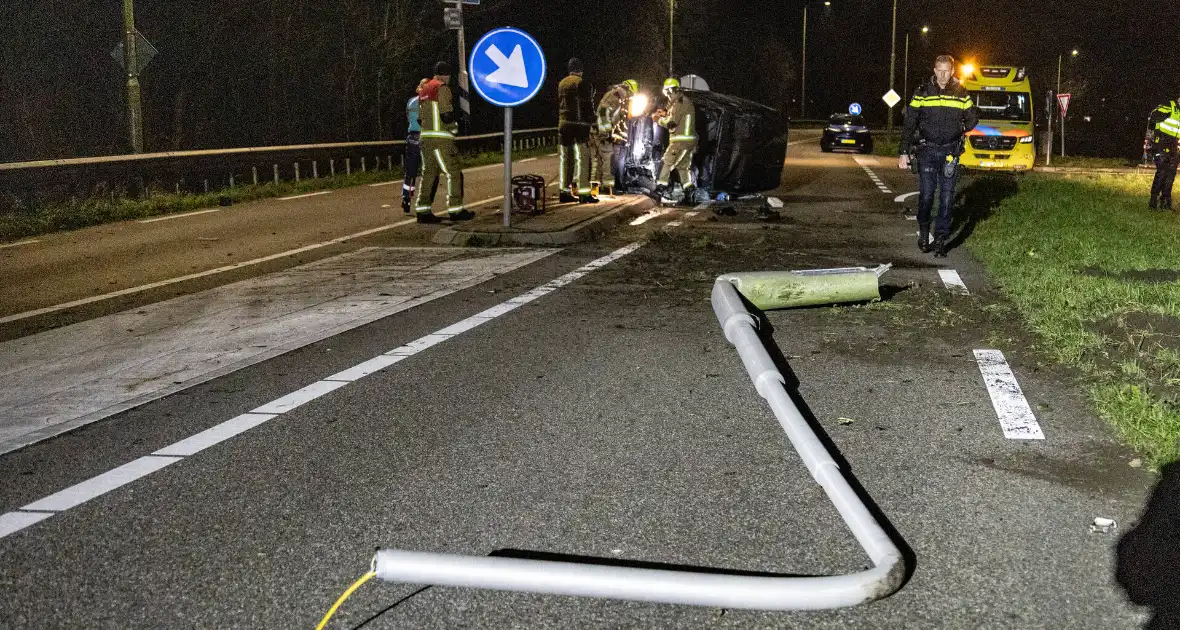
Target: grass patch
(1092,271)
(886,145)
(1079,161)
(79,213)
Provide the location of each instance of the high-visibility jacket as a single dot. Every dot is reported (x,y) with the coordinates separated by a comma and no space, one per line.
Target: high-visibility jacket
(573,106)
(681,120)
(938,116)
(1165,124)
(612,110)
(436,113)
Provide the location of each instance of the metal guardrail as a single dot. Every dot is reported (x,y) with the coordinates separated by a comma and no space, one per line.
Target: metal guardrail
(213,169)
(684,587)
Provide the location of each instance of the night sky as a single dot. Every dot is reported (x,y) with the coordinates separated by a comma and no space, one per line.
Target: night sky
(262,72)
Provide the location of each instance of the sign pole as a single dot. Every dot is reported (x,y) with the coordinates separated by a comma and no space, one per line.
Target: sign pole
(507,204)
(1049,144)
(464,86)
(131,64)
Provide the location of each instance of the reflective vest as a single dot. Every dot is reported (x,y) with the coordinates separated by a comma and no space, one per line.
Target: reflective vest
(434,101)
(1170,125)
(680,120)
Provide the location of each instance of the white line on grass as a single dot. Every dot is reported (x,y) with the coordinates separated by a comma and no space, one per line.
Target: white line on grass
(77,494)
(1015,415)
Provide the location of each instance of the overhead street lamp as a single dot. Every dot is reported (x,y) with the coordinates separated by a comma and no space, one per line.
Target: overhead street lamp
(803,65)
(1060,59)
(906,80)
(671,29)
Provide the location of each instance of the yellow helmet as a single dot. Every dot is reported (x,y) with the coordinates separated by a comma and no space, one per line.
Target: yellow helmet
(671,83)
(632,85)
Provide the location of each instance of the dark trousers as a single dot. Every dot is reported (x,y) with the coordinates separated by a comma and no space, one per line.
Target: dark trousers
(1165,175)
(413,167)
(932,162)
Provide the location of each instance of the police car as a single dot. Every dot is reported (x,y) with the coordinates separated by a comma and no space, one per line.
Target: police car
(846,131)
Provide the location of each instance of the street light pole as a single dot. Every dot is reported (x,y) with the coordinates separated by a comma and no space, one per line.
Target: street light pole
(671,27)
(464,87)
(134,108)
(803,79)
(892,60)
(905,91)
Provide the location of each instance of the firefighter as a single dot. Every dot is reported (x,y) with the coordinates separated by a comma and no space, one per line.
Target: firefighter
(1164,132)
(609,140)
(680,121)
(937,119)
(573,122)
(413,149)
(439,156)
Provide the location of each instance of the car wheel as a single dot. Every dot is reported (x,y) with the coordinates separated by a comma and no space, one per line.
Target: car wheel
(825,148)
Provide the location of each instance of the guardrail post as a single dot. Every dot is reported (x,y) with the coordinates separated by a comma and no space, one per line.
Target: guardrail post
(297,171)
(315,170)
(348,166)
(178,188)
(362,164)
(254,172)
(276,169)
(231,180)
(206,185)
(389,162)
(332,166)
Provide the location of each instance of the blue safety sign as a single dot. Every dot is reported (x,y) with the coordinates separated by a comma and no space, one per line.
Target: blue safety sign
(854,109)
(507,67)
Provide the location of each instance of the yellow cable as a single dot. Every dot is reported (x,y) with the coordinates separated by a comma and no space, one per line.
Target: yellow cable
(355,585)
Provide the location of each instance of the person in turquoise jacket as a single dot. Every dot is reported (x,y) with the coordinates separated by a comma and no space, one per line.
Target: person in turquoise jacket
(413,150)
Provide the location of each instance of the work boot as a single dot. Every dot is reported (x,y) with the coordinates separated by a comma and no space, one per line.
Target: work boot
(1153,204)
(658,193)
(565,197)
(428,217)
(461,215)
(689,196)
(587,199)
(939,247)
(1165,203)
(924,238)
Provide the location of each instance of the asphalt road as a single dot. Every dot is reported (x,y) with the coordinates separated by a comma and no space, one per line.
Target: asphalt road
(607,418)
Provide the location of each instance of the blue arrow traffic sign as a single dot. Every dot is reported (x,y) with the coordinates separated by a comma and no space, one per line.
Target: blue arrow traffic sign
(507,67)
(854,109)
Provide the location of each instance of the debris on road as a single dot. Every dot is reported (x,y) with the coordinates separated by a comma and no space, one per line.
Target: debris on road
(1135,463)
(844,421)
(1103,525)
(813,287)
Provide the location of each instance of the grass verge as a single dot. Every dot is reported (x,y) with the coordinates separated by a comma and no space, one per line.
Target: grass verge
(1095,274)
(79,213)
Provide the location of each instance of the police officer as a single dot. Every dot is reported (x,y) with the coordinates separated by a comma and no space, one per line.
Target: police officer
(936,120)
(680,121)
(609,140)
(573,126)
(413,149)
(440,158)
(1164,130)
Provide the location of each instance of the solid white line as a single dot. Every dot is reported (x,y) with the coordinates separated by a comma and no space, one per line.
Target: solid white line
(794,142)
(1015,415)
(911,217)
(178,216)
(551,155)
(951,279)
(18,244)
(97,486)
(12,522)
(299,397)
(313,194)
(528,160)
(361,370)
(201,274)
(396,181)
(648,216)
(902,198)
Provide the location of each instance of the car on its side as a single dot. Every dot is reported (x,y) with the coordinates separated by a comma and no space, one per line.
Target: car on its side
(847,131)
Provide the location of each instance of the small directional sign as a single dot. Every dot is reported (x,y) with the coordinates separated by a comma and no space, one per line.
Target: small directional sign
(452,19)
(855,110)
(144,52)
(507,67)
(891,98)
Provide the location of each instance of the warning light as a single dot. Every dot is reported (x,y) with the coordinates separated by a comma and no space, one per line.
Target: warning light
(638,106)
(968,69)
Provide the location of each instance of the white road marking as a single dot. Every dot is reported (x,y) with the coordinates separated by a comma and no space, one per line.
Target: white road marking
(77,494)
(911,217)
(18,244)
(178,216)
(1015,415)
(794,142)
(689,215)
(80,493)
(864,164)
(201,274)
(532,159)
(902,198)
(396,181)
(648,216)
(673,224)
(312,194)
(951,279)
(551,155)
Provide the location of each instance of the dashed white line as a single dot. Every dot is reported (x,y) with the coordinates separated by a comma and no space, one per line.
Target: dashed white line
(77,494)
(201,274)
(312,194)
(178,216)
(902,198)
(19,243)
(1012,409)
(951,279)
(648,216)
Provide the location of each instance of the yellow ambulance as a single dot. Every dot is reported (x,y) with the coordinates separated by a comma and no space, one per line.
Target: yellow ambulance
(1004,139)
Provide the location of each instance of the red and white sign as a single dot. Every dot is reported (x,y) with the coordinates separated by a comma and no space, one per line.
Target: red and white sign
(1063,102)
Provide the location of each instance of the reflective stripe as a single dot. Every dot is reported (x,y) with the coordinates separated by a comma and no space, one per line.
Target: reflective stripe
(438,134)
(684,138)
(942,101)
(454,210)
(442,165)
(561,167)
(578,164)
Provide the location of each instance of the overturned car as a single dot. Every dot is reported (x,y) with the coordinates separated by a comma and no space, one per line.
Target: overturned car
(741,148)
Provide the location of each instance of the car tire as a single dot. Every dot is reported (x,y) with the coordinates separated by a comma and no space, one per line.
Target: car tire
(825,148)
